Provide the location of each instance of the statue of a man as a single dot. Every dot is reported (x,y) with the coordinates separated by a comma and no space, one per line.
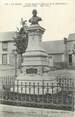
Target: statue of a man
(35,19)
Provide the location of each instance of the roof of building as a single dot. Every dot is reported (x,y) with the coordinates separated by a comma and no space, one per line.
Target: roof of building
(71,36)
(53,47)
(7,36)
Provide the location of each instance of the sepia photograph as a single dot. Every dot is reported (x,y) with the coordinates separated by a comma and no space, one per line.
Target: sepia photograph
(37,58)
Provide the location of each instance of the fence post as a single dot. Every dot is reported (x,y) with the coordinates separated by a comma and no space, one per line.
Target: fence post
(42,93)
(62,96)
(67,91)
(52,92)
(2,91)
(34,90)
(25,90)
(10,87)
(21,91)
(57,94)
(47,91)
(17,89)
(38,90)
(13,87)
(29,91)
(6,92)
(73,95)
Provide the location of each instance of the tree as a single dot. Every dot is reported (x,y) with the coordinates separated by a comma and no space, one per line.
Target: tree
(21,40)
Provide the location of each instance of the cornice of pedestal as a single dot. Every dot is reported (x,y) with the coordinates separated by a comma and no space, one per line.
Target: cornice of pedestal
(35,53)
(35,28)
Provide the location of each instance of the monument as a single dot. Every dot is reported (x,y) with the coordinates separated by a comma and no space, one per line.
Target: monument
(35,59)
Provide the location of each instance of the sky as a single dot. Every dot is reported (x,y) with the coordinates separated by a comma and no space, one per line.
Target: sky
(58,16)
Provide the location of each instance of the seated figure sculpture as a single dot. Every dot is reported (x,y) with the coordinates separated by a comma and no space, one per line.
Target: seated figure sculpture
(35,19)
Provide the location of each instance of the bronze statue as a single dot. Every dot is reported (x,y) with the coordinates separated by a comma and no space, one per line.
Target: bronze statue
(35,19)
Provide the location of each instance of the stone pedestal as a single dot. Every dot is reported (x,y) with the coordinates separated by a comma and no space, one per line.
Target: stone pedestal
(35,57)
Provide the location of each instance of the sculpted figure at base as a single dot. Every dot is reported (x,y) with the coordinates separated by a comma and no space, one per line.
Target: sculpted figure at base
(35,19)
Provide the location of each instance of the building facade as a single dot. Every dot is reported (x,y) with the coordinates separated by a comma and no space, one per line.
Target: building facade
(7,58)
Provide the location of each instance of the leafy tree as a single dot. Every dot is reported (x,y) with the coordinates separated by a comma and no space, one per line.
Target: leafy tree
(21,40)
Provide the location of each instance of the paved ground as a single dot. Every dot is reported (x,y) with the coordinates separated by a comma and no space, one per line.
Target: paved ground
(13,111)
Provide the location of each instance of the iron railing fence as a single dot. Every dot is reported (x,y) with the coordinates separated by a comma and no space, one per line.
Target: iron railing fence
(58,93)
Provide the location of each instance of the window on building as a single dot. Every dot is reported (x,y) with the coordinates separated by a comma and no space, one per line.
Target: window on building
(4,59)
(31,71)
(4,45)
(70,59)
